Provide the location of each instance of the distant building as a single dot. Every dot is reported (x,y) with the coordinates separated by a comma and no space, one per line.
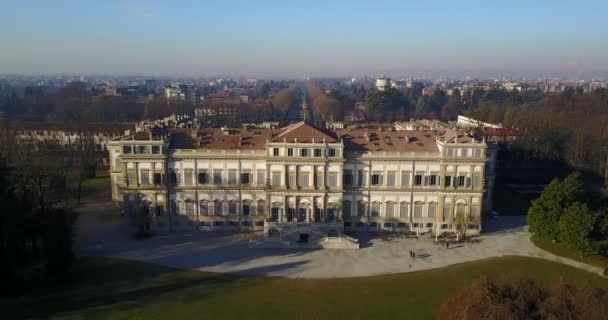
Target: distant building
(383,84)
(428,91)
(182,92)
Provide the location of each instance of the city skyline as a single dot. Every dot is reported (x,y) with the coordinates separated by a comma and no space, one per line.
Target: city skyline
(277,39)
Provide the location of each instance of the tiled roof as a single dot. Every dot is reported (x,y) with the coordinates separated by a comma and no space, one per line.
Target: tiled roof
(215,138)
(305,132)
(366,139)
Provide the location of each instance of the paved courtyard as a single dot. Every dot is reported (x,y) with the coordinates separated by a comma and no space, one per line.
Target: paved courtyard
(102,232)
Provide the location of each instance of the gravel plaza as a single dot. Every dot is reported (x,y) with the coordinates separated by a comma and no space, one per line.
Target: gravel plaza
(101,232)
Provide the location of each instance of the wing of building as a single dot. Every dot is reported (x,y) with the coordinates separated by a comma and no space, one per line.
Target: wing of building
(422,179)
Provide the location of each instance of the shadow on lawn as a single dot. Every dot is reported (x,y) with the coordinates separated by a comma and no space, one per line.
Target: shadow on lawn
(106,283)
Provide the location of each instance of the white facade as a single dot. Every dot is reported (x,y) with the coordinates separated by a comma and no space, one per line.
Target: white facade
(291,178)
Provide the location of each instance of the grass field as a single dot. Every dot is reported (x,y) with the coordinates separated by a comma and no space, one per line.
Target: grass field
(591,257)
(104,288)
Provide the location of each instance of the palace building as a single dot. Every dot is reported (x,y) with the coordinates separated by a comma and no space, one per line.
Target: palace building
(421,179)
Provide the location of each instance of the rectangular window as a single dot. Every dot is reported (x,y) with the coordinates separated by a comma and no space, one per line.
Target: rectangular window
(448,181)
(433,179)
(261,179)
(375,209)
(464,152)
(276,178)
(246,209)
(260,208)
(304,181)
(418,179)
(404,209)
(156,149)
(218,208)
(232,176)
(405,178)
(291,179)
(174,177)
(204,208)
(432,210)
(446,211)
(317,153)
(450,152)
(331,152)
(290,152)
(474,211)
(390,209)
(391,177)
(347,179)
(188,177)
(144,176)
(346,208)
(203,177)
(275,152)
(319,179)
(361,177)
(377,178)
(332,179)
(361,209)
(131,178)
(461,181)
(477,181)
(217,176)
(190,209)
(127,149)
(303,152)
(477,153)
(246,177)
(158,179)
(232,208)
(418,210)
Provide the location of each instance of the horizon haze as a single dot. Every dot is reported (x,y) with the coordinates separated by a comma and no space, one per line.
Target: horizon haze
(313,38)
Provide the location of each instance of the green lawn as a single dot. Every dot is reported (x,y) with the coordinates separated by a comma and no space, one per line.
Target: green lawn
(589,256)
(104,288)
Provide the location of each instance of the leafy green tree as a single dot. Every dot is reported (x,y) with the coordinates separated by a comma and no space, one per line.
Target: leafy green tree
(545,212)
(575,225)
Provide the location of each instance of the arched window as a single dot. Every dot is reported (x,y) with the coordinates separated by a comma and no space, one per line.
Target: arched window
(432,209)
(404,209)
(347,207)
(218,209)
(203,207)
(418,209)
(390,209)
(376,209)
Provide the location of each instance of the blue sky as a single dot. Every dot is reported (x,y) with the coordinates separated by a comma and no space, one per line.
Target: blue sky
(267,38)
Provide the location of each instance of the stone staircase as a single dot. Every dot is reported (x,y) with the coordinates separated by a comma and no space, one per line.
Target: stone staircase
(289,238)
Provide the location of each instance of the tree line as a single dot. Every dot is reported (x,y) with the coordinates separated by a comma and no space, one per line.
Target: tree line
(40,182)
(571,126)
(520,299)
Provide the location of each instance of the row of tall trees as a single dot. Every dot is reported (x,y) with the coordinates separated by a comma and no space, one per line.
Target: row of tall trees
(571,126)
(284,99)
(75,102)
(325,107)
(39,183)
